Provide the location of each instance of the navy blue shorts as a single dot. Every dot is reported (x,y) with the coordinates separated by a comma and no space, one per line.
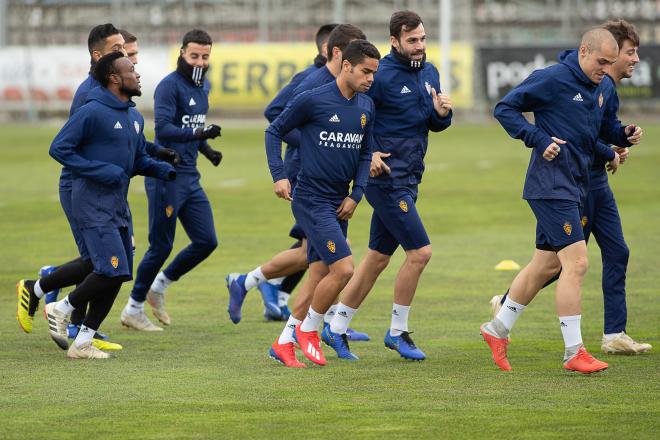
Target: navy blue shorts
(395,220)
(558,223)
(65,201)
(111,251)
(297,232)
(326,234)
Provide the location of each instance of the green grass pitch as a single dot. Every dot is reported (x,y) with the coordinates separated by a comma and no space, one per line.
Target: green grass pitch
(206,378)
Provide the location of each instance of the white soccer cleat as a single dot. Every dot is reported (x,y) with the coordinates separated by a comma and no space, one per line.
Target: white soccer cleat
(57,322)
(157,302)
(496,304)
(623,344)
(86,351)
(139,321)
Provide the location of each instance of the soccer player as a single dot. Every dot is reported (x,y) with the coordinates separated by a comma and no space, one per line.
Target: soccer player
(601,217)
(335,122)
(409,104)
(574,104)
(180,107)
(103,145)
(130,46)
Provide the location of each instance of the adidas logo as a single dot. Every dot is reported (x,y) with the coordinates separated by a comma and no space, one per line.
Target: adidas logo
(343,314)
(313,351)
(395,313)
(192,102)
(335,118)
(292,326)
(118,126)
(562,324)
(578,98)
(512,308)
(405,90)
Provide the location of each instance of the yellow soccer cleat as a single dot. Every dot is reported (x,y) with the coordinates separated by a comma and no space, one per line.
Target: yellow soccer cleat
(106,345)
(27,306)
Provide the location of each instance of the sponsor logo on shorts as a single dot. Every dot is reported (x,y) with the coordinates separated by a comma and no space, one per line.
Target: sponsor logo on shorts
(363,120)
(568,228)
(114,261)
(403,205)
(331,246)
(585,220)
(600,100)
(169,211)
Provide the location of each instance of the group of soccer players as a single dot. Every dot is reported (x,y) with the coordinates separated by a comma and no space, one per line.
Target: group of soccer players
(355,125)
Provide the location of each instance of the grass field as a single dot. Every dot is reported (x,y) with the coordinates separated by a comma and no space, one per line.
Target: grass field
(207,378)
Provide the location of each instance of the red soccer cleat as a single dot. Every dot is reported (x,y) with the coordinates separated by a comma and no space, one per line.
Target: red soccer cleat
(498,346)
(286,354)
(584,363)
(310,345)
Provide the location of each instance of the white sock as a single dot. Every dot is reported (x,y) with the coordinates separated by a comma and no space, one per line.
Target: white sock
(134,307)
(570,330)
(327,318)
(283,298)
(161,283)
(64,306)
(399,322)
(85,334)
(510,312)
(342,319)
(312,321)
(254,278)
(289,328)
(37,290)
(276,281)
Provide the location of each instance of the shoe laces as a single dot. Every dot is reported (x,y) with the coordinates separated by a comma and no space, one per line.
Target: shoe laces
(314,338)
(584,356)
(406,337)
(344,338)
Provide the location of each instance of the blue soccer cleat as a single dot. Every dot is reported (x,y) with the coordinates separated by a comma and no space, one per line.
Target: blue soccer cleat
(49,297)
(356,336)
(285,312)
(269,293)
(237,293)
(404,345)
(338,342)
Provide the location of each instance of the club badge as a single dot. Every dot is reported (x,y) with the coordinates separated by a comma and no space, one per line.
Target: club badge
(363,120)
(403,205)
(600,100)
(137,127)
(169,211)
(331,246)
(568,228)
(585,220)
(114,261)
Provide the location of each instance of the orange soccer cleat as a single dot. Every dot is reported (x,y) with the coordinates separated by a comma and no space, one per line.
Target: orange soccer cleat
(583,362)
(310,345)
(498,346)
(285,353)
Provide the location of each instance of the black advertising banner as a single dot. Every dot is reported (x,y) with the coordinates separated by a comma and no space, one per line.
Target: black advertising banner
(505,67)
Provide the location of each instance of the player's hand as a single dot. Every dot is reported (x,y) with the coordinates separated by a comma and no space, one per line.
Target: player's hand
(209,132)
(346,209)
(613,165)
(282,189)
(553,149)
(378,167)
(213,155)
(168,155)
(622,152)
(634,134)
(441,103)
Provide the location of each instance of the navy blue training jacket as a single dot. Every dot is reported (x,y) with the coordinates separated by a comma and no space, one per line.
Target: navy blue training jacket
(103,145)
(566,105)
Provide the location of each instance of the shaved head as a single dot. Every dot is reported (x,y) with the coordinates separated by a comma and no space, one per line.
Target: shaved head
(598,52)
(599,39)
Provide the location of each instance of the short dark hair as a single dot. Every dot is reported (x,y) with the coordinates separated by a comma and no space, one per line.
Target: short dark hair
(105,67)
(98,34)
(128,37)
(358,50)
(622,31)
(322,34)
(342,35)
(196,36)
(404,21)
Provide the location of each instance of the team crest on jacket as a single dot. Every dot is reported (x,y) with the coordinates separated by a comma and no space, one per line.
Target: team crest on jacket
(600,99)
(331,246)
(114,261)
(585,220)
(363,120)
(169,210)
(568,228)
(403,205)
(428,87)
(137,127)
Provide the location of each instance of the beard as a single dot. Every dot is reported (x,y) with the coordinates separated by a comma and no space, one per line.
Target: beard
(130,92)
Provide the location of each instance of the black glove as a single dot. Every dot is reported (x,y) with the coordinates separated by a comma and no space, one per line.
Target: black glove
(168,155)
(212,155)
(209,132)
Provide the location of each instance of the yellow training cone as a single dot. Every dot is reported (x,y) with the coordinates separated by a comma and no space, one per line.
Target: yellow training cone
(507,265)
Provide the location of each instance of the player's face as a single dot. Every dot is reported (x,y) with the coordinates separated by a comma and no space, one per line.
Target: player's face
(361,76)
(132,51)
(628,59)
(114,43)
(597,63)
(411,44)
(129,79)
(197,55)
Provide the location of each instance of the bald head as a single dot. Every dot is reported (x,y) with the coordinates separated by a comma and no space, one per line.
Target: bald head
(598,51)
(599,39)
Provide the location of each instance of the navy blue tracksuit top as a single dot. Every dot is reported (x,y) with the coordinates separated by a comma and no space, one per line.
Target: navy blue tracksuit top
(566,105)
(335,142)
(404,117)
(103,145)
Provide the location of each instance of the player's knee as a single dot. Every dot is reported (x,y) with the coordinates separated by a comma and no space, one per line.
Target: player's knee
(421,257)
(579,266)
(343,270)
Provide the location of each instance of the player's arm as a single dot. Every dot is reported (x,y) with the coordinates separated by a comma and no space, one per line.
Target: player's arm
(529,96)
(612,130)
(65,150)
(145,165)
(214,156)
(440,118)
(165,154)
(609,155)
